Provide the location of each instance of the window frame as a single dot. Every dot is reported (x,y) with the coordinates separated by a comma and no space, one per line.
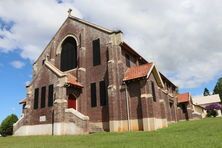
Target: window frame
(96,52)
(36,99)
(67,60)
(103,93)
(93,95)
(50,95)
(43,97)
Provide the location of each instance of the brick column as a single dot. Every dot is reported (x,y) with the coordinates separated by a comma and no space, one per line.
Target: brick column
(60,103)
(82,100)
(163,110)
(147,106)
(112,88)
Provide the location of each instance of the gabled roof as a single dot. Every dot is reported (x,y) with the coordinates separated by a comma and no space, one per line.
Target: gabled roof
(137,71)
(183,98)
(164,78)
(202,100)
(126,47)
(129,49)
(143,71)
(83,22)
(94,25)
(73,81)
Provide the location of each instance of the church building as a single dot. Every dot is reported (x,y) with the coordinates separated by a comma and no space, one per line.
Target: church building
(88,79)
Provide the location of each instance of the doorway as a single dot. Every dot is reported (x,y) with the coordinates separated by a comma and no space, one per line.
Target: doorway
(72,102)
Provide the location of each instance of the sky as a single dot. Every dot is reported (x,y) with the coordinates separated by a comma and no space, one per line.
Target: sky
(182,37)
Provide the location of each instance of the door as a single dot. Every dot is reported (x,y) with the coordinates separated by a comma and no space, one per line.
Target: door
(71,102)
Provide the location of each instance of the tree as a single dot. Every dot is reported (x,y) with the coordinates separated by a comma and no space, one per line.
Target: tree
(206,92)
(6,127)
(218,88)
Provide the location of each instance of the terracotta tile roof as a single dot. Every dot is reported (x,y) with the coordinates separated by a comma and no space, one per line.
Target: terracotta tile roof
(182,98)
(137,71)
(23,101)
(73,80)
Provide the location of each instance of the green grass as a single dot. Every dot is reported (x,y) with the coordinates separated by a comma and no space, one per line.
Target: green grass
(205,133)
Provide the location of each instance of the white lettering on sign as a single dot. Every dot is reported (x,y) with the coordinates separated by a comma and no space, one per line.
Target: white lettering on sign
(42,118)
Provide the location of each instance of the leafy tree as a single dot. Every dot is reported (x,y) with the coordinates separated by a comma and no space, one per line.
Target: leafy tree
(6,127)
(218,88)
(206,92)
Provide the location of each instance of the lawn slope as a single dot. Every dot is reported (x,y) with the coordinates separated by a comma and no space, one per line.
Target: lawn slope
(205,133)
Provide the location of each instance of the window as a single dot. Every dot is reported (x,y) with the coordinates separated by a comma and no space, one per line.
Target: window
(96,52)
(153,91)
(103,93)
(171,104)
(50,96)
(68,54)
(93,95)
(43,90)
(36,98)
(127,60)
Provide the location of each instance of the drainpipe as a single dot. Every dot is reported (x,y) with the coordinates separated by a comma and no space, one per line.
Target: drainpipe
(53,122)
(127,108)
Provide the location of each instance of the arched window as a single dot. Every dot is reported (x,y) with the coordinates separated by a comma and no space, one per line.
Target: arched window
(68,54)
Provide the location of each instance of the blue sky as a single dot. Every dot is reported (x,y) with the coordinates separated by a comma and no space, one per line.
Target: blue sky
(13,83)
(182,37)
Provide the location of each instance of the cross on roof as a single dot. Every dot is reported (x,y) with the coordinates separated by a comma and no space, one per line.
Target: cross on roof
(69,11)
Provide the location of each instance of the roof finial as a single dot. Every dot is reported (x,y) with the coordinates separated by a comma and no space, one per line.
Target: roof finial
(69,11)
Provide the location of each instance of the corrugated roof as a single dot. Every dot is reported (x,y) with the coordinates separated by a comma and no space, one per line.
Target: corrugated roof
(201,100)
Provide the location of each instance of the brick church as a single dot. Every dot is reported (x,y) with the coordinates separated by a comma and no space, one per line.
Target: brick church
(89,79)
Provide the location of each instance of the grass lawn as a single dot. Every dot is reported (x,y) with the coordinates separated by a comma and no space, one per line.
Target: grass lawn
(205,133)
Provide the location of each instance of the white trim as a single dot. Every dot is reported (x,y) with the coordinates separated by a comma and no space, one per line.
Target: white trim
(146,95)
(158,74)
(161,81)
(149,72)
(54,69)
(76,113)
(60,101)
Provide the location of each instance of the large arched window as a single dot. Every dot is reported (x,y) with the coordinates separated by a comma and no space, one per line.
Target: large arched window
(68,54)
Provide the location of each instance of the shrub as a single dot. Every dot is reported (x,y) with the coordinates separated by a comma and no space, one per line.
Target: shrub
(211,113)
(6,127)
(212,109)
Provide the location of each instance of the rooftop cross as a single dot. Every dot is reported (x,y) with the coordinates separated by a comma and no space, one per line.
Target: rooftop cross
(69,11)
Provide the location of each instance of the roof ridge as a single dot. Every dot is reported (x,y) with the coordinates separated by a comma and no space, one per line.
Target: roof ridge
(94,25)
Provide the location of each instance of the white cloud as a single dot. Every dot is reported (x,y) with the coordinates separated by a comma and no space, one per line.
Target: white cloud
(35,22)
(17,64)
(182,37)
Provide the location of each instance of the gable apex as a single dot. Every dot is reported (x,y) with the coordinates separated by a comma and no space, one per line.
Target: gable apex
(143,71)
